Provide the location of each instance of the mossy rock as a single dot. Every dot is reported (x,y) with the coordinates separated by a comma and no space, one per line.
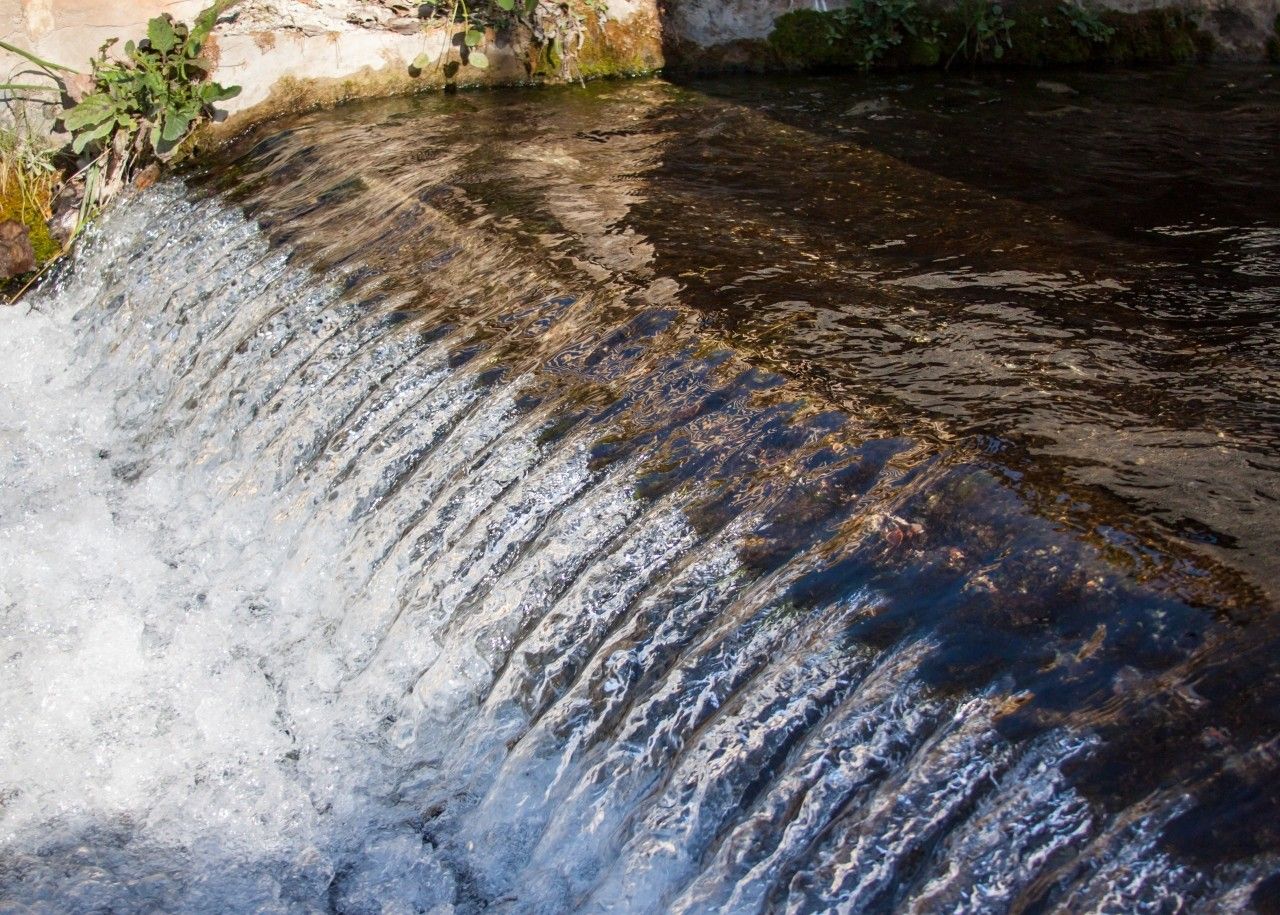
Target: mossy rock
(922,53)
(1157,36)
(14,204)
(615,48)
(1041,36)
(813,39)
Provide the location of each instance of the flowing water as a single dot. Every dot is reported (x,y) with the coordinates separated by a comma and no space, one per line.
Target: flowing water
(822,495)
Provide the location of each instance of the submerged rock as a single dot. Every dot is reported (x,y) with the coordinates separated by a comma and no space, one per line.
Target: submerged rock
(1056,88)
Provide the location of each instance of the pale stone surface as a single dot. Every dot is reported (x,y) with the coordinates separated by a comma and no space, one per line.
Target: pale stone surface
(287,53)
(70,31)
(710,22)
(1241,27)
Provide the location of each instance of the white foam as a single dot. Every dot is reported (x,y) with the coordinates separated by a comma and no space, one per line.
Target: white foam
(145,645)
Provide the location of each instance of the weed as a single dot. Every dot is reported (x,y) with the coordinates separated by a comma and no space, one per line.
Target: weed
(557,26)
(879,25)
(29,177)
(1087,21)
(128,110)
(985,31)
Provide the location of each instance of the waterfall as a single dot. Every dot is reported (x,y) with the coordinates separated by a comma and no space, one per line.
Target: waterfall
(324,591)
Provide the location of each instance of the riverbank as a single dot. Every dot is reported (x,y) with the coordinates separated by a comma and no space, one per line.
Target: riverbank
(283,58)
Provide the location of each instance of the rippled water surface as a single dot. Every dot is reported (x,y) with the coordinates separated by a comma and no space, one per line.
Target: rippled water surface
(804,495)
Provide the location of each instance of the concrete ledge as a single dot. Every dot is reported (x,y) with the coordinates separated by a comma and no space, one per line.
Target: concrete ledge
(288,55)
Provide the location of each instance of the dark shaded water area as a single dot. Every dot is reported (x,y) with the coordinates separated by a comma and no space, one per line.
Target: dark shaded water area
(1080,269)
(832,494)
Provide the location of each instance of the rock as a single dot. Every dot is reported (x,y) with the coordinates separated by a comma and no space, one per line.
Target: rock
(405,25)
(147,177)
(63,225)
(1059,112)
(863,109)
(16,254)
(1049,85)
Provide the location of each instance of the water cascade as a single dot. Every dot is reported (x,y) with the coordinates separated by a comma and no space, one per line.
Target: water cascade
(356,560)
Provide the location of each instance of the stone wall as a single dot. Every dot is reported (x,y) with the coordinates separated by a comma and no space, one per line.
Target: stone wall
(287,54)
(723,30)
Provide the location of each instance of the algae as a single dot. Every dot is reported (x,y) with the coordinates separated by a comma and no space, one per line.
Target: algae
(612,49)
(27,199)
(1042,34)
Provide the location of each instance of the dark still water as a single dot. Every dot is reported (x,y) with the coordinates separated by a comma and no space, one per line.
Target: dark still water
(806,495)
(1079,274)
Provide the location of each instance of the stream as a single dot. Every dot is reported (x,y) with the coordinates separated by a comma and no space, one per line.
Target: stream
(818,494)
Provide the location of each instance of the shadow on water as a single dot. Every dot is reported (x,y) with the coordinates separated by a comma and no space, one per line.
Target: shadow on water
(1085,284)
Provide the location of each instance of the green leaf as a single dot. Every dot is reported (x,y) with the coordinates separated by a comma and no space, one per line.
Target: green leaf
(112,74)
(507,5)
(45,65)
(93,110)
(175,128)
(478,60)
(422,61)
(161,34)
(101,132)
(212,93)
(206,21)
(474,37)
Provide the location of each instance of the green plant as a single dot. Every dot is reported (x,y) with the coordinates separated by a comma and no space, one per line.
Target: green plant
(153,97)
(130,109)
(27,163)
(556,25)
(986,31)
(878,25)
(864,34)
(1087,22)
